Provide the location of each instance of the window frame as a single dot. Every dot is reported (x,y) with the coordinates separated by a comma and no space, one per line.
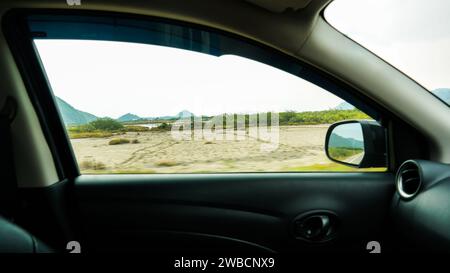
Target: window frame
(20,41)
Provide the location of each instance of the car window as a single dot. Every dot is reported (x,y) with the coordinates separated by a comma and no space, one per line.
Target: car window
(187,105)
(413,36)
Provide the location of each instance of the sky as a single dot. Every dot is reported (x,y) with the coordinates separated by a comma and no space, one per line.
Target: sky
(111,79)
(114,78)
(412,35)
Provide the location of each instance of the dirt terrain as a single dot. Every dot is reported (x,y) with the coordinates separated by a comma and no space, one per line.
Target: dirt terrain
(159,152)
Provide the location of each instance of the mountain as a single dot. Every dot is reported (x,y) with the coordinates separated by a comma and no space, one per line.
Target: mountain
(184,114)
(71,115)
(443,94)
(128,117)
(344,106)
(343,142)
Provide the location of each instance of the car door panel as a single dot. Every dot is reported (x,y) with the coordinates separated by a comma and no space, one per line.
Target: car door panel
(248,212)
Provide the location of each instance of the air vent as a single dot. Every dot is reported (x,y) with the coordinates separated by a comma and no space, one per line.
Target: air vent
(409,179)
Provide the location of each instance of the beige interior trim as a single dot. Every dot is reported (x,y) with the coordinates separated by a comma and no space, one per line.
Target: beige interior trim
(34,162)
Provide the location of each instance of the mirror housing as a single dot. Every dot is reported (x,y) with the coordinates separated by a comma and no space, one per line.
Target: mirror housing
(373,136)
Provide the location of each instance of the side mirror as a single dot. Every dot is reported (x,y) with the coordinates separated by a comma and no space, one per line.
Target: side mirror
(357,143)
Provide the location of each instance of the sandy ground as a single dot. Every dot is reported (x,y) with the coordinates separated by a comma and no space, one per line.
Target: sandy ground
(159,152)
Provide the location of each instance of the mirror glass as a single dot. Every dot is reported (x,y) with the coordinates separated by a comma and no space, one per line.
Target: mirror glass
(346,143)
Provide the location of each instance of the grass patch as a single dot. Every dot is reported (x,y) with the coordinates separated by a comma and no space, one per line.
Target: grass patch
(333,167)
(119,171)
(166,163)
(89,135)
(343,153)
(136,128)
(118,141)
(163,127)
(92,165)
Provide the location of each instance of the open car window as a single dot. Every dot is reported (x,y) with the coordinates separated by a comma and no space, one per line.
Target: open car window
(165,98)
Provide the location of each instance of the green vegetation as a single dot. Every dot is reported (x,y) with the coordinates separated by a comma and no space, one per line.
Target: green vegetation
(107,127)
(343,153)
(319,117)
(136,128)
(135,141)
(89,135)
(333,167)
(119,171)
(162,127)
(289,118)
(118,141)
(166,163)
(104,124)
(99,128)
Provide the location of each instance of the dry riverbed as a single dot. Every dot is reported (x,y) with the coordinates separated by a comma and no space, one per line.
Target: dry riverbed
(159,152)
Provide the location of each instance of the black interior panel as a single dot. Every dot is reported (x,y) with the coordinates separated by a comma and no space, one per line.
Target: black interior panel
(423,222)
(239,212)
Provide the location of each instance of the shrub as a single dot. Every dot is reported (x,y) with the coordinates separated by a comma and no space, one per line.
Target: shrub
(136,128)
(319,117)
(117,141)
(135,141)
(92,164)
(166,163)
(162,127)
(105,124)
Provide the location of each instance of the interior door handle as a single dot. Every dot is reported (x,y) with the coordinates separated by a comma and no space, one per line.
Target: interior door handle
(316,227)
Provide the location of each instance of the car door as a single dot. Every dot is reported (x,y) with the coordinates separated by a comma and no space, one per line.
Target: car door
(145,182)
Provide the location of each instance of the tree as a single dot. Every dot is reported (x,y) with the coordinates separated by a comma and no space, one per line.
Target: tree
(105,124)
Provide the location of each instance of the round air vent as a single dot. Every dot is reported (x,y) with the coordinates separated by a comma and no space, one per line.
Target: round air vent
(409,179)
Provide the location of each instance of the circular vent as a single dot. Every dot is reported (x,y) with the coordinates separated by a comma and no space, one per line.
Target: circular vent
(409,179)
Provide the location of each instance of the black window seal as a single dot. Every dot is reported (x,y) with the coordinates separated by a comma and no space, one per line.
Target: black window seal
(19,39)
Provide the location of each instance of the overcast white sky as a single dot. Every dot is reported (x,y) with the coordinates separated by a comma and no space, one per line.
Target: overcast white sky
(413,35)
(115,78)
(112,78)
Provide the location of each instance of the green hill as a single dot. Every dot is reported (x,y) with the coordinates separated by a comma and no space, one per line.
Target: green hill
(72,116)
(128,117)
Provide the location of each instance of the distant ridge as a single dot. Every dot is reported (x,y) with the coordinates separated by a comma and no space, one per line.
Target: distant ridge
(344,106)
(128,117)
(71,115)
(184,114)
(443,94)
(343,142)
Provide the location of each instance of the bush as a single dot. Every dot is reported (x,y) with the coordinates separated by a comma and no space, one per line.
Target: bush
(117,141)
(162,127)
(135,141)
(92,165)
(319,117)
(105,124)
(136,128)
(166,163)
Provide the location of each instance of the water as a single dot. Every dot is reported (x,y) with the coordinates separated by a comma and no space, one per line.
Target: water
(150,125)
